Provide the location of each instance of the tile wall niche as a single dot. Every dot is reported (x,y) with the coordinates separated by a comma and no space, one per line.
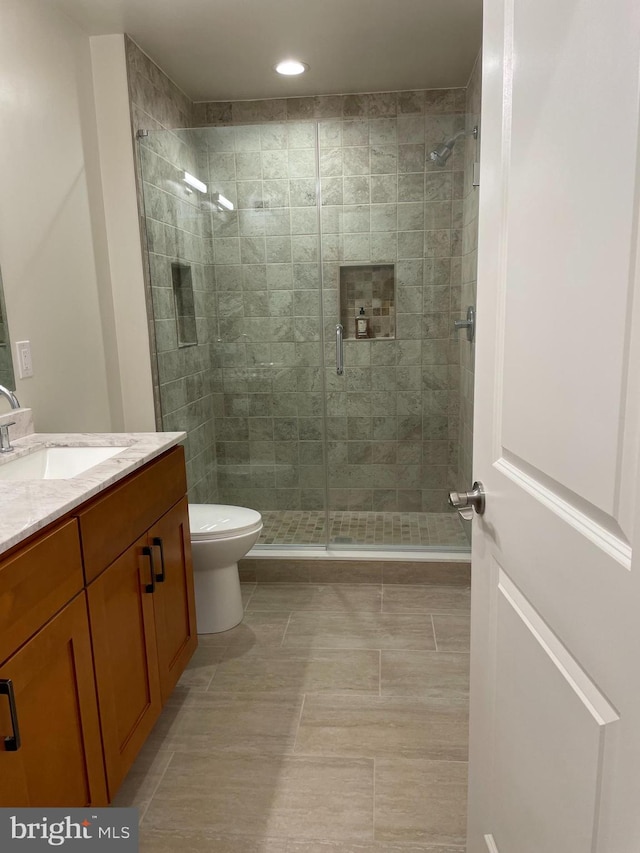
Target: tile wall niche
(392,415)
(175,233)
(368,288)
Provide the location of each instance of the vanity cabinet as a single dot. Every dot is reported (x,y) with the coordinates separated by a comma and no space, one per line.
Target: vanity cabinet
(97,623)
(137,563)
(51,748)
(126,661)
(174,603)
(143,626)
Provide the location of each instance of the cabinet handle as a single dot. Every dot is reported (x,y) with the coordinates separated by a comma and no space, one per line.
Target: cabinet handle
(11,744)
(157,542)
(148,552)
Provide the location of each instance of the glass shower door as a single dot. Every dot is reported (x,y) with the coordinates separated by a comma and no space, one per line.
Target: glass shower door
(392,270)
(235,273)
(261,241)
(269,423)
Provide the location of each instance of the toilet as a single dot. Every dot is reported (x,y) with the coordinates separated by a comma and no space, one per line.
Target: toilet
(220,536)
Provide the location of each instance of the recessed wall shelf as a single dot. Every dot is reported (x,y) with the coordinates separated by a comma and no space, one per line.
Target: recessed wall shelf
(372,287)
(184,304)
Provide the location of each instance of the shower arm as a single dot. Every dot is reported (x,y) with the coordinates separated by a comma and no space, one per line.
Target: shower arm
(453,139)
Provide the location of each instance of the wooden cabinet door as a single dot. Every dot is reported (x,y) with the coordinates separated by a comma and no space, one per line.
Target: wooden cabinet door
(174,599)
(59,758)
(126,663)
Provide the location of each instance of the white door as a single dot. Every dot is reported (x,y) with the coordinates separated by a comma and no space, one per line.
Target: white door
(555,691)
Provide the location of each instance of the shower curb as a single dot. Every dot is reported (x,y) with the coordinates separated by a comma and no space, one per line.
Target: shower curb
(274,569)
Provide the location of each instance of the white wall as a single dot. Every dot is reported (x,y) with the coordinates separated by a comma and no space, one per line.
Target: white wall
(121,275)
(46,244)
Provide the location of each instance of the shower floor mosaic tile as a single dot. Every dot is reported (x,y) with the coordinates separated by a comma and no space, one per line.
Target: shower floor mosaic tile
(291,527)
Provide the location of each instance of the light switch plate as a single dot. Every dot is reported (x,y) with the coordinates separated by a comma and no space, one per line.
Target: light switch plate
(25,364)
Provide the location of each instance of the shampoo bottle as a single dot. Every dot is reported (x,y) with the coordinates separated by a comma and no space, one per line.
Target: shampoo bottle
(362,324)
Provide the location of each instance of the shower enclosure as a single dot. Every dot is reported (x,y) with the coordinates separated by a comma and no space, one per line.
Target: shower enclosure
(265,243)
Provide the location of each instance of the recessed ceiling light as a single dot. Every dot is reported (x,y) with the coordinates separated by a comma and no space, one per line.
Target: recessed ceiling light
(291,67)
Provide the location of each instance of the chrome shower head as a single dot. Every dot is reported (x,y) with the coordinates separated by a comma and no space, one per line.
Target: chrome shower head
(442,152)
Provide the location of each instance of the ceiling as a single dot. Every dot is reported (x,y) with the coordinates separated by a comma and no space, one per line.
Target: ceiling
(225,49)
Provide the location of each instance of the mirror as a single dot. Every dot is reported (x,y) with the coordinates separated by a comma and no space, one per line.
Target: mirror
(7,377)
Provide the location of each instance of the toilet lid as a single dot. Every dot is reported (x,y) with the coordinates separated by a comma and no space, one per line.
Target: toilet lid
(216,521)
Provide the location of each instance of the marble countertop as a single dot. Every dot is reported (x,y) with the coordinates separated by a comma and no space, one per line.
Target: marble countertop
(27,506)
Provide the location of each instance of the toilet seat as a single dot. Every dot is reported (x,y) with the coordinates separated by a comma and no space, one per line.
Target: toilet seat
(209,522)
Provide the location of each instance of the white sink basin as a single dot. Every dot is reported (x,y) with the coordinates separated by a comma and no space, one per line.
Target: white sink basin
(55,463)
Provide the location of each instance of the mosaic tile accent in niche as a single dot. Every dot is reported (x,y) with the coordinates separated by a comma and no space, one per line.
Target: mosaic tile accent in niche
(372,287)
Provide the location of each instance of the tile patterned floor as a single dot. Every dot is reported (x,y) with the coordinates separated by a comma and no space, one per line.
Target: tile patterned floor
(291,527)
(332,720)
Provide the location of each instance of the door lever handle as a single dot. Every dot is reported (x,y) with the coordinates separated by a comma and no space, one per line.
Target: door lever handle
(469,502)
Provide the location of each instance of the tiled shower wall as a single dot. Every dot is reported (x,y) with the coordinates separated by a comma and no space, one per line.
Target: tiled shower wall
(394,424)
(176,231)
(392,417)
(269,412)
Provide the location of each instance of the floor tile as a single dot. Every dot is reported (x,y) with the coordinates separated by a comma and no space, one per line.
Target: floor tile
(372,727)
(260,723)
(307,671)
(246,591)
(256,632)
(446,528)
(373,847)
(203,663)
(144,777)
(420,801)
(214,641)
(452,633)
(153,841)
(336,597)
(425,599)
(271,742)
(302,527)
(168,716)
(266,796)
(436,675)
(359,631)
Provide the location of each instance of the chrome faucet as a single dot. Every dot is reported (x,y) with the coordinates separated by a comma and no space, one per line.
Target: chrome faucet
(5,441)
(11,397)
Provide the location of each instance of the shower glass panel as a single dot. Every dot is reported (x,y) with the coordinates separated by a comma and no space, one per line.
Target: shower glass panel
(270,428)
(249,390)
(288,231)
(392,253)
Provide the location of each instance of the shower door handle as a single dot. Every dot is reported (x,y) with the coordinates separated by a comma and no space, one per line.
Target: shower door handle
(339,350)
